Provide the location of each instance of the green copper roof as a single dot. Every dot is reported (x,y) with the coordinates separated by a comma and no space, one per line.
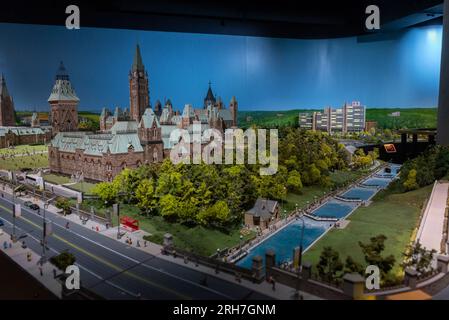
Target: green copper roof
(188,111)
(124,127)
(148,118)
(137,63)
(62,89)
(21,131)
(62,74)
(97,144)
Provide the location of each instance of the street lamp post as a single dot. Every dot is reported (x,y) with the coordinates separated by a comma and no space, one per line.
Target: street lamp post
(241,240)
(116,210)
(13,236)
(44,232)
(300,256)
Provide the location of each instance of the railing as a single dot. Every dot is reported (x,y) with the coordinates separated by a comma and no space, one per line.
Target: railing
(320,218)
(216,264)
(348,199)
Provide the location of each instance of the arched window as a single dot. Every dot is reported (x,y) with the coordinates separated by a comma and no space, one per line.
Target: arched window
(155,155)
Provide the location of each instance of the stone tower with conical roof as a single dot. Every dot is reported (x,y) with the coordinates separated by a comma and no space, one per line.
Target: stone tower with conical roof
(63,103)
(6,105)
(139,96)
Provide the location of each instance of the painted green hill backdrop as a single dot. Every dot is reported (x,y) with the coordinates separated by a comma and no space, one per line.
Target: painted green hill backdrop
(409,118)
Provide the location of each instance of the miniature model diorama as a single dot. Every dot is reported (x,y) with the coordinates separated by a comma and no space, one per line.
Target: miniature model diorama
(278,188)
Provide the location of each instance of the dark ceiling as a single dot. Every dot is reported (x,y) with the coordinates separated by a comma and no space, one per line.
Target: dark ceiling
(276,18)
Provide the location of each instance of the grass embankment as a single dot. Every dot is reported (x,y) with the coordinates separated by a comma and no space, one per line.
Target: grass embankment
(55,178)
(85,187)
(392,214)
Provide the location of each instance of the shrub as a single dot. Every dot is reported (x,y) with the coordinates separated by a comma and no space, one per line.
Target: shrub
(63,260)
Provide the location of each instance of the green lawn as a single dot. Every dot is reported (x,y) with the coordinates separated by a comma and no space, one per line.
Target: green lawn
(394,215)
(56,179)
(23,149)
(85,187)
(17,163)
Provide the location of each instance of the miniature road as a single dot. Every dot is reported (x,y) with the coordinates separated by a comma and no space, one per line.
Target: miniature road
(116,271)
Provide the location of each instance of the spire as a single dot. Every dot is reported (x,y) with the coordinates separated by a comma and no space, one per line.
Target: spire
(3,89)
(62,74)
(210,95)
(137,63)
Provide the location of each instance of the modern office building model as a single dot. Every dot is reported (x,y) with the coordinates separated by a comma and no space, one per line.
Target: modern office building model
(349,118)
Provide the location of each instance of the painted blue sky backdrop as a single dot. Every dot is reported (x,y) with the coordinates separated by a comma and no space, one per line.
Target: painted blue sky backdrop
(263,73)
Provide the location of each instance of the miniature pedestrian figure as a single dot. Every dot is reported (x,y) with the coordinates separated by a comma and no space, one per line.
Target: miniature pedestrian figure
(41,272)
(5,245)
(145,243)
(24,246)
(97,229)
(138,243)
(29,256)
(10,245)
(67,225)
(273,283)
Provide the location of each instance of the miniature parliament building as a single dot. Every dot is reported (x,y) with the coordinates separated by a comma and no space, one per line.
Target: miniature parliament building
(127,138)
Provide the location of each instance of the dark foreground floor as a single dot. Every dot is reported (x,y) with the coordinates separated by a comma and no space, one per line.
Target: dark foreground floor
(17,284)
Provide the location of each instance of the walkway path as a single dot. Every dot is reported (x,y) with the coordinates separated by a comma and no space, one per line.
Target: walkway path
(430,231)
(18,254)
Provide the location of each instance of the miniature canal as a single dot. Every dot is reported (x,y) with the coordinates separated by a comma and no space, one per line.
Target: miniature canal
(287,238)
